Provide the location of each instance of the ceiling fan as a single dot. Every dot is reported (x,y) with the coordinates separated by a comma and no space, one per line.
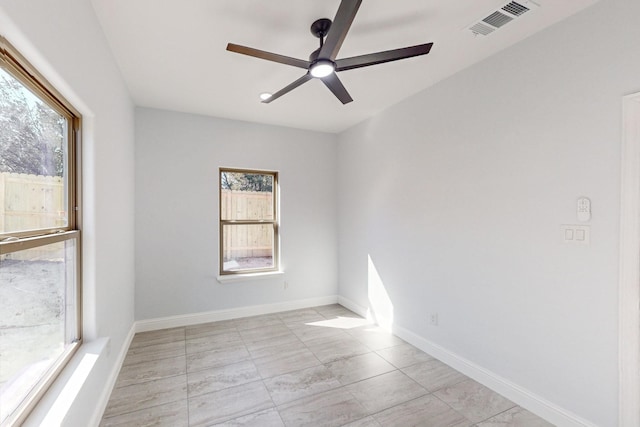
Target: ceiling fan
(322,63)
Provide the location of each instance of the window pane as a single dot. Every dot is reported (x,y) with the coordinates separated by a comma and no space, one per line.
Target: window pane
(246,196)
(33,165)
(247,247)
(38,316)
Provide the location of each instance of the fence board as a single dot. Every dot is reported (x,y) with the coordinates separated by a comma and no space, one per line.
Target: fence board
(31,202)
(247,241)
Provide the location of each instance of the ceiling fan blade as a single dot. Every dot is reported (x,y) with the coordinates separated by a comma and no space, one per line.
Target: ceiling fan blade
(268,56)
(382,57)
(339,28)
(335,85)
(288,88)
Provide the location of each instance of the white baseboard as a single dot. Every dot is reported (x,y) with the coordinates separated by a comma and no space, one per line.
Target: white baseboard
(102,402)
(234,313)
(528,400)
(358,309)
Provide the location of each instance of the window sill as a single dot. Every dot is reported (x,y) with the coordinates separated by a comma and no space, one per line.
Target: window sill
(247,277)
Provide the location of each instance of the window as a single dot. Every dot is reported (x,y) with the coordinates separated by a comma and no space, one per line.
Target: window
(39,235)
(248,221)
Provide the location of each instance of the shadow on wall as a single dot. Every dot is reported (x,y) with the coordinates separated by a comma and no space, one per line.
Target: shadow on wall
(380,305)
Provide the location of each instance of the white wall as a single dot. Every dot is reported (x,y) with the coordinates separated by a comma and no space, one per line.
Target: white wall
(458,193)
(63,39)
(177,161)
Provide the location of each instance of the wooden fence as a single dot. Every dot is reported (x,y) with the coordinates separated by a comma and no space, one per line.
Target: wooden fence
(247,241)
(31,202)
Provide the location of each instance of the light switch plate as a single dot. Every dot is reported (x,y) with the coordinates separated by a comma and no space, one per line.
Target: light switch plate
(576,234)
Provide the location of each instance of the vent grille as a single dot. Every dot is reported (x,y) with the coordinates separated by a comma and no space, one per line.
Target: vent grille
(497,19)
(502,16)
(480,28)
(515,8)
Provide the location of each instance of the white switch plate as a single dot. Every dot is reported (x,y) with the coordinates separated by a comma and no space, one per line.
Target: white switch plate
(576,234)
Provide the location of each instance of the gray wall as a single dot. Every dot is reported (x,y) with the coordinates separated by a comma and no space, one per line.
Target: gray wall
(177,161)
(458,193)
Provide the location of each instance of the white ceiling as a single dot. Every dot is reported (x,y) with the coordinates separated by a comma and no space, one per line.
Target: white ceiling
(172,53)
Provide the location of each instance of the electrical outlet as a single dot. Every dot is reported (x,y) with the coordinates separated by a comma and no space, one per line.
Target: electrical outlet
(433,319)
(286,285)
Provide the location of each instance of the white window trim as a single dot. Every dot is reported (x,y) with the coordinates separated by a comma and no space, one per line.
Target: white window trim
(248,277)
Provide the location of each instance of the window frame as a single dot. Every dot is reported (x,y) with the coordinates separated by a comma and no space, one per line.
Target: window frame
(275,222)
(20,69)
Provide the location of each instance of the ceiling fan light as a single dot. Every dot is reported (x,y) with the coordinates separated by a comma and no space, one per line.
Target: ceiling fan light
(322,68)
(265,95)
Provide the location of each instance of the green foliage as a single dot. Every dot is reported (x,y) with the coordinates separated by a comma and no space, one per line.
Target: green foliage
(32,135)
(240,181)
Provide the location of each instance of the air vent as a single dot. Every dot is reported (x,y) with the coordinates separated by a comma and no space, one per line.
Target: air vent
(515,8)
(498,18)
(480,28)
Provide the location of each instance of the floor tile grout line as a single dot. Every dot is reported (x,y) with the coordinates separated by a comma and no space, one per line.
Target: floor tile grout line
(141,348)
(186,374)
(239,416)
(270,396)
(408,366)
(143,362)
(149,381)
(146,380)
(215,349)
(164,357)
(227,388)
(289,402)
(309,348)
(416,398)
(153,360)
(342,386)
(262,357)
(206,368)
(253,413)
(146,408)
(292,402)
(474,423)
(449,384)
(143,345)
(499,413)
(209,335)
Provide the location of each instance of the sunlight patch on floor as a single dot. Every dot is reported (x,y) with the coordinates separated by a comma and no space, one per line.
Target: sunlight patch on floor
(341,322)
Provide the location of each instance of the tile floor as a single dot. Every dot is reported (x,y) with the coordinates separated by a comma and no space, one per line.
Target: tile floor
(322,366)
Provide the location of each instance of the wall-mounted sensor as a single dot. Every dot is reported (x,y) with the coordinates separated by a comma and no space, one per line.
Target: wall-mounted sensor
(584,209)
